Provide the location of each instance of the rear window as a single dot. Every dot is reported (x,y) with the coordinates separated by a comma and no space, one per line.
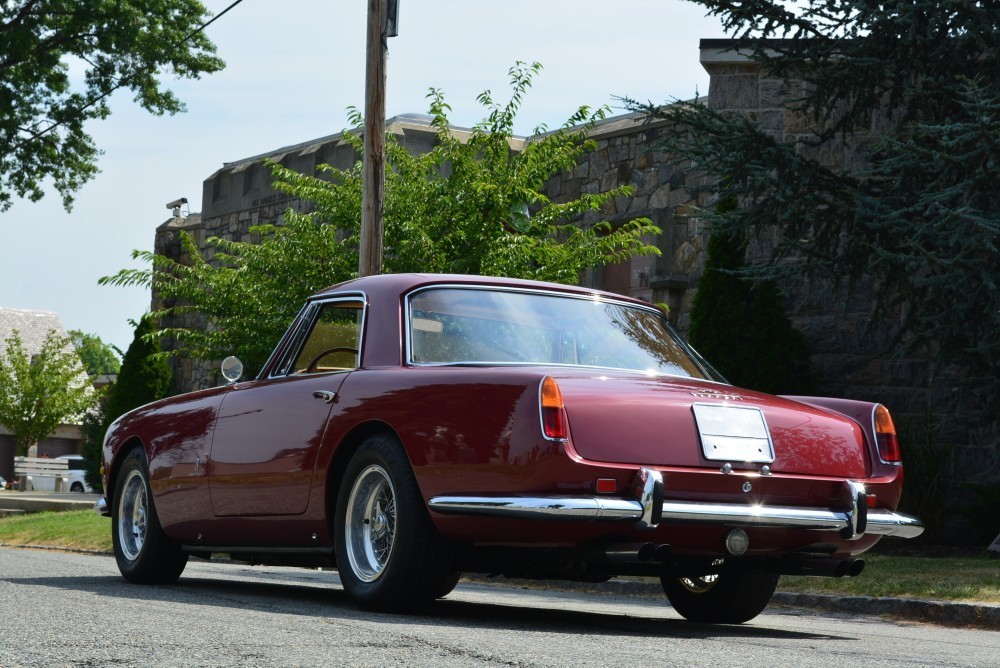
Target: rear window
(490,326)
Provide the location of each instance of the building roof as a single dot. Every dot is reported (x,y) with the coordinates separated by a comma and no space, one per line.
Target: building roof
(33,326)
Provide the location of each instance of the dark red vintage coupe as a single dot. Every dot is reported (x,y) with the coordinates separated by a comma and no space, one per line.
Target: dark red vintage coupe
(408,428)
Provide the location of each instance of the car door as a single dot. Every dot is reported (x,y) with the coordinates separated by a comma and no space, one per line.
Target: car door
(269,431)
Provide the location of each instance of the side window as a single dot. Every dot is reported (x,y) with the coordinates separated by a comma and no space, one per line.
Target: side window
(334,342)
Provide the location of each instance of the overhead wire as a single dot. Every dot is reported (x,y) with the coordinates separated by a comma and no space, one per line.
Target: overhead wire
(121,80)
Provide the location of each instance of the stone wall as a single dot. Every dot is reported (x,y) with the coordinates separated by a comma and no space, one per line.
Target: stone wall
(240,195)
(848,345)
(626,154)
(848,341)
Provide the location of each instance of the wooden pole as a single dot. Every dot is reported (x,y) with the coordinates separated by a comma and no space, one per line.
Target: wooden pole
(373,175)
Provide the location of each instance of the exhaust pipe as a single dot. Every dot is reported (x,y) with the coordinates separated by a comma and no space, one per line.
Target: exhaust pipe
(831,568)
(662,553)
(622,553)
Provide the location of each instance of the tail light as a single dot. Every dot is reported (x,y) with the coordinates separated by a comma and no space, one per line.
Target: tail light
(885,435)
(554,424)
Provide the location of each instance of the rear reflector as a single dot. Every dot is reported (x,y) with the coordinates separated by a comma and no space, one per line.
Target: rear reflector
(885,435)
(606,486)
(554,425)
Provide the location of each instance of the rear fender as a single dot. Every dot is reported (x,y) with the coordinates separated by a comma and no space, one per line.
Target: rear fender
(862,413)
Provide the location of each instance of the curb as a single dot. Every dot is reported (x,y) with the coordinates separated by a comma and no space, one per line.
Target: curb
(56,548)
(944,613)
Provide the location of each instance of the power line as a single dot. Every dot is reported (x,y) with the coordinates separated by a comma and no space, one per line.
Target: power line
(210,21)
(121,80)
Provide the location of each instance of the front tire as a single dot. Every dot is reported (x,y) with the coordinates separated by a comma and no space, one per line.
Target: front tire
(729,596)
(144,553)
(389,555)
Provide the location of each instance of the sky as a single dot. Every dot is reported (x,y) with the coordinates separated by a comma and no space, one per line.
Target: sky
(293,68)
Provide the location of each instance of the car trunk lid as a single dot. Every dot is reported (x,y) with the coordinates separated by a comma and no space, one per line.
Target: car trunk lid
(669,421)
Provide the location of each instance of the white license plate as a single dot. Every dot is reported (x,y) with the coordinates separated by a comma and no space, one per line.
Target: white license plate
(733,433)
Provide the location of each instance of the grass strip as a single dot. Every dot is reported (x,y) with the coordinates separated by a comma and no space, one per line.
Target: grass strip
(965,578)
(73,529)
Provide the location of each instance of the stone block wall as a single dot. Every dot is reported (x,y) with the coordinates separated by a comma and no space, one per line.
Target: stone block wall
(847,338)
(626,154)
(848,344)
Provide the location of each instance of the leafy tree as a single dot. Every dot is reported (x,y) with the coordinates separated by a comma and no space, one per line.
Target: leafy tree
(470,205)
(144,375)
(40,392)
(740,323)
(915,89)
(119,44)
(93,427)
(97,356)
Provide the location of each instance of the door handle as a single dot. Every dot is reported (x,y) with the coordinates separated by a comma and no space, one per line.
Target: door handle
(325,395)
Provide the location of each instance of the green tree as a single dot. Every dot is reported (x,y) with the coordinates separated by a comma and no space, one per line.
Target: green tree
(97,356)
(44,108)
(144,375)
(40,392)
(470,205)
(740,324)
(915,88)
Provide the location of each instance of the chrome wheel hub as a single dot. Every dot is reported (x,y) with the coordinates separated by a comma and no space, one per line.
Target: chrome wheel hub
(132,518)
(370,523)
(704,583)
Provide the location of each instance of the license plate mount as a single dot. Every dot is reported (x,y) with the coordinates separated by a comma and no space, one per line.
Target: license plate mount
(733,433)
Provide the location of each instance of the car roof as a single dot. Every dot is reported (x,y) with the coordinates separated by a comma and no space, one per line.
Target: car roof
(399,284)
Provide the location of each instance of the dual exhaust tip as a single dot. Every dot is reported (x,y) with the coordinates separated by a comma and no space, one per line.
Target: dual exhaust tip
(737,542)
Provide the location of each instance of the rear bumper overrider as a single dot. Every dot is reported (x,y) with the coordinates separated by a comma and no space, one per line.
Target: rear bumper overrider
(651,509)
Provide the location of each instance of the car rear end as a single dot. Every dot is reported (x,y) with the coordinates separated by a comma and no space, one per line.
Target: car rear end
(639,451)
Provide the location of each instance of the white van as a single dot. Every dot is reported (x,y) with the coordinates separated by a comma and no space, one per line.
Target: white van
(77,481)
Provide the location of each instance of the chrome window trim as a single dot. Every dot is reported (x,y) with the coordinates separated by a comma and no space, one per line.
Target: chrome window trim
(278,347)
(309,314)
(408,354)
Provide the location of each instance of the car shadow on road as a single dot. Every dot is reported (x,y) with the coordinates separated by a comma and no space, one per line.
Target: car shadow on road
(320,597)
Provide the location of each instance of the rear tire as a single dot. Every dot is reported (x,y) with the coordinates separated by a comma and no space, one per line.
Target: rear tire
(144,553)
(389,555)
(730,596)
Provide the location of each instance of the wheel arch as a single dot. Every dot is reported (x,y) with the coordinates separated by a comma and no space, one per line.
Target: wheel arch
(128,446)
(348,445)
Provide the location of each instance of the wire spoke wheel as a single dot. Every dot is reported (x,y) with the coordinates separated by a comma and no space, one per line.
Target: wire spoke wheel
(699,585)
(132,521)
(723,594)
(390,556)
(702,583)
(371,523)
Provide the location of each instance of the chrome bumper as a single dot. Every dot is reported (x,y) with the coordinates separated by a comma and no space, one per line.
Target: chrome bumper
(650,509)
(101,507)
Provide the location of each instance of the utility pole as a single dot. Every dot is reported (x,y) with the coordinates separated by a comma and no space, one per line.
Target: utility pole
(382,24)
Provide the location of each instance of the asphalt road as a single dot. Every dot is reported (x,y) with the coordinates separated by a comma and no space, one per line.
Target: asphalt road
(59,609)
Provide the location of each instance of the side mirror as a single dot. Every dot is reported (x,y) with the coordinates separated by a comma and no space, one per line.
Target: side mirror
(232,369)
